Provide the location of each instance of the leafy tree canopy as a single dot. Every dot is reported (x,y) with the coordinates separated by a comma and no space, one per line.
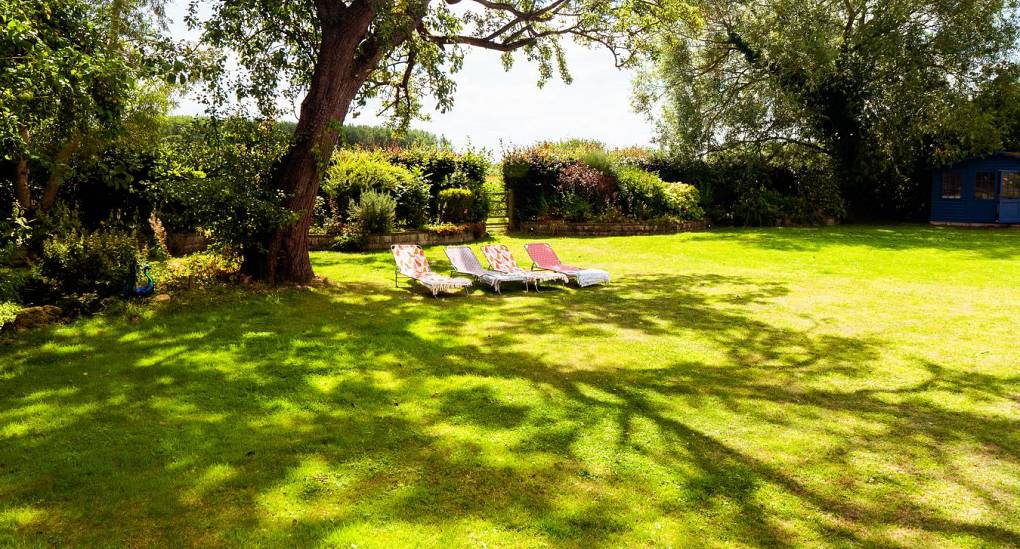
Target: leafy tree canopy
(867,84)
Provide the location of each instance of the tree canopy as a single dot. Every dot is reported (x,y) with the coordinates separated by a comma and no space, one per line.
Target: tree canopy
(339,55)
(867,84)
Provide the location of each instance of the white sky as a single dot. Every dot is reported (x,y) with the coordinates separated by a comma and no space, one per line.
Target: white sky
(494,108)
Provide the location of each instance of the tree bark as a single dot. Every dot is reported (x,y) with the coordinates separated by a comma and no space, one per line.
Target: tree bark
(22,192)
(58,171)
(339,74)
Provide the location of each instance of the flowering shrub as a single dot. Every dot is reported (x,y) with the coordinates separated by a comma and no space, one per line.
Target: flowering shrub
(580,181)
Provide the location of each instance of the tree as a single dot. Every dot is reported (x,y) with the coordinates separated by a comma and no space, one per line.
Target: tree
(341,54)
(71,71)
(863,83)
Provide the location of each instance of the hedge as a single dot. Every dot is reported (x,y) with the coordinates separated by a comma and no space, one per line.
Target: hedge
(580,181)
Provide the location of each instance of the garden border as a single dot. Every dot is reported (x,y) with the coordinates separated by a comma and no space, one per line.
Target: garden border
(561,228)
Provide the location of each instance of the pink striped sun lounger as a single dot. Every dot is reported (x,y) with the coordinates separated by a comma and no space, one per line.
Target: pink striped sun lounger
(501,260)
(411,262)
(543,257)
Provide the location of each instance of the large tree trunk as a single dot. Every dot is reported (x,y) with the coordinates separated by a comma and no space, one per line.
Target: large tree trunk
(22,192)
(338,75)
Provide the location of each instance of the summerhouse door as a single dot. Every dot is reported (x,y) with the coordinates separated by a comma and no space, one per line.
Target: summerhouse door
(1009,197)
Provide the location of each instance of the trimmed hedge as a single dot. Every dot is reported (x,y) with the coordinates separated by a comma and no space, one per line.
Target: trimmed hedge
(580,181)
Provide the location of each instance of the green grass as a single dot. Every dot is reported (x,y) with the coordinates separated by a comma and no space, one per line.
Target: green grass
(843,386)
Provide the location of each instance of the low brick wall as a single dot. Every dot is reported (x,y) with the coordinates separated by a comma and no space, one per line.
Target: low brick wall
(421,238)
(384,241)
(607,229)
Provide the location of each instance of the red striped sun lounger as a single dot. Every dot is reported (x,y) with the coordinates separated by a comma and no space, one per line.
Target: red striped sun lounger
(501,260)
(543,257)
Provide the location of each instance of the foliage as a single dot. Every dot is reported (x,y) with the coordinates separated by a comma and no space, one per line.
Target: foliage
(684,201)
(415,177)
(444,168)
(350,239)
(580,181)
(15,231)
(8,312)
(374,212)
(449,228)
(212,175)
(797,189)
(455,204)
(195,271)
(845,82)
(354,172)
(410,50)
(99,262)
(81,81)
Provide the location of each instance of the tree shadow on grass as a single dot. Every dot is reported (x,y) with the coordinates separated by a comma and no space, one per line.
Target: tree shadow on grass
(308,417)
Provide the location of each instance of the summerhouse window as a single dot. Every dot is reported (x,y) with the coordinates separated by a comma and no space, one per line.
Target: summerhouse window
(1011,185)
(984,186)
(951,187)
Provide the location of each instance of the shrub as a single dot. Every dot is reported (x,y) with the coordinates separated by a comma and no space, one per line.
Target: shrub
(215,175)
(642,194)
(580,181)
(444,169)
(791,186)
(100,262)
(413,203)
(195,270)
(684,201)
(455,205)
(374,213)
(8,312)
(759,207)
(355,172)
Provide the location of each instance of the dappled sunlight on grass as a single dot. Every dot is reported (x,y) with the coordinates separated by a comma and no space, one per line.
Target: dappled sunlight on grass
(765,387)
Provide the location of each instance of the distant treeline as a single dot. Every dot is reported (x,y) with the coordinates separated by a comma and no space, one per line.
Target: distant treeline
(368,137)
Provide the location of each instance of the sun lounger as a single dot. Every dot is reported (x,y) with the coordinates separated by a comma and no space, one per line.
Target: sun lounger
(545,258)
(501,260)
(464,261)
(411,262)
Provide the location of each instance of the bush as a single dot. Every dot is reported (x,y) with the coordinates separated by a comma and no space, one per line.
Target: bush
(374,213)
(759,207)
(413,203)
(684,201)
(195,270)
(789,186)
(580,181)
(99,262)
(455,205)
(353,173)
(15,232)
(643,195)
(444,169)
(215,175)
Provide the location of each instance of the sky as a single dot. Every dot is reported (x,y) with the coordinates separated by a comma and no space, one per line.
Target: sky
(494,109)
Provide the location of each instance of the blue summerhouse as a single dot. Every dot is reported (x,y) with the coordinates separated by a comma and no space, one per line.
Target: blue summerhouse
(978,191)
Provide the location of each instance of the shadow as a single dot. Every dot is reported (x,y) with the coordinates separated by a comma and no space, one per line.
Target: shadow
(354,414)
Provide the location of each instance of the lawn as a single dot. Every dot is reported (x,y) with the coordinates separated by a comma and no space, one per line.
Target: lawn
(838,386)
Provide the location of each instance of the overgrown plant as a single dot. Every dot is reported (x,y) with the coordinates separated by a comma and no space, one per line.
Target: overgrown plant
(374,213)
